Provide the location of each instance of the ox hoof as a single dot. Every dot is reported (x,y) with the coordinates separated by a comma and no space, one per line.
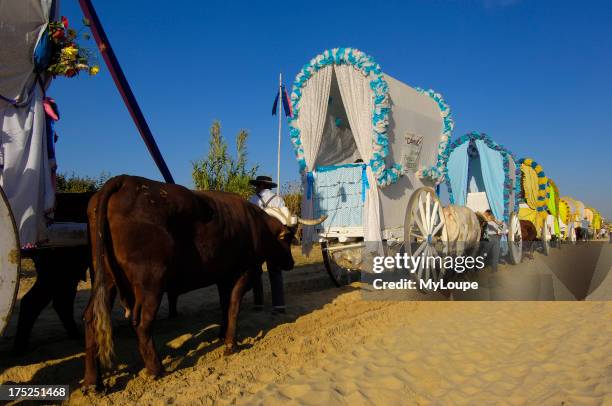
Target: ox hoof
(155,375)
(230,349)
(92,389)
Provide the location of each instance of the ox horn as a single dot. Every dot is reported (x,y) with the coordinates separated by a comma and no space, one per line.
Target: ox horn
(312,222)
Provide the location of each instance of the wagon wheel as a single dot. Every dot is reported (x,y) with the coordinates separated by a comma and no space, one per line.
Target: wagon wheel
(545,240)
(425,232)
(10,262)
(339,274)
(515,239)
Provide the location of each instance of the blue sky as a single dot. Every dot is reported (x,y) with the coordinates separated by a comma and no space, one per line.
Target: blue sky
(535,75)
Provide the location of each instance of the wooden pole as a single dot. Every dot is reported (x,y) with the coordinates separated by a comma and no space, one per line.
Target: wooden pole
(280,125)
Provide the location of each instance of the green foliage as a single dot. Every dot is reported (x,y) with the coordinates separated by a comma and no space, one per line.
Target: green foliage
(219,170)
(78,184)
(292,194)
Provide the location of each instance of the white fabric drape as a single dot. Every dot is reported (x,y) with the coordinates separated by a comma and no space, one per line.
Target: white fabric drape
(25,173)
(311,122)
(358,103)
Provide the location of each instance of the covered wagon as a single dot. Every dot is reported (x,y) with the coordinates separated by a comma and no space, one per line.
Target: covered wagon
(539,201)
(577,213)
(565,223)
(482,174)
(553,204)
(597,223)
(569,216)
(368,147)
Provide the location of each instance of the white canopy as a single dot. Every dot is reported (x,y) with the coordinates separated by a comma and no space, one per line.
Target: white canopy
(25,171)
(22,23)
(347,110)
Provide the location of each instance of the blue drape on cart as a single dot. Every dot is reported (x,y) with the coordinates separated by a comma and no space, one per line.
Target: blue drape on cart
(457,166)
(493,175)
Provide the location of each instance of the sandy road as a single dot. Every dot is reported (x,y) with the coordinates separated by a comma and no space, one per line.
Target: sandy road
(334,347)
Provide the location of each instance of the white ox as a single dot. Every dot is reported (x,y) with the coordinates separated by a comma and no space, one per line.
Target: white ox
(463,228)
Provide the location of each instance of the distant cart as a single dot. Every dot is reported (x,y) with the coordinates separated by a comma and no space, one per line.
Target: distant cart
(597,223)
(536,199)
(482,174)
(571,217)
(594,219)
(553,204)
(565,224)
(368,147)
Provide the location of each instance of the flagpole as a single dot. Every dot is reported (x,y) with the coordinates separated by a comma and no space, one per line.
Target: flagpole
(280,125)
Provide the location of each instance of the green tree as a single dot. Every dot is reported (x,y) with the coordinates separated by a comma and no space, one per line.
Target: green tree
(79,184)
(221,171)
(292,194)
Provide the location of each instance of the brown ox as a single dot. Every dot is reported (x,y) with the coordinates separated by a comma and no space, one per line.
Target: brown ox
(529,235)
(150,237)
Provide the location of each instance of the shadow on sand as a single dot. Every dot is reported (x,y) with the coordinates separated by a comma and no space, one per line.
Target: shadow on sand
(181,342)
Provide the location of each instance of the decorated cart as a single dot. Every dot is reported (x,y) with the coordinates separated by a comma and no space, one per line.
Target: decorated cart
(580,211)
(569,216)
(368,147)
(50,228)
(594,219)
(579,215)
(482,174)
(564,216)
(538,198)
(553,204)
(596,223)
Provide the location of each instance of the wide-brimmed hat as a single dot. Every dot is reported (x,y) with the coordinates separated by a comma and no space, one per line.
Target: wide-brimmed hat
(264,181)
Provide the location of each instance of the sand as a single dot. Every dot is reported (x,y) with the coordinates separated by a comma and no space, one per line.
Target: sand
(466,353)
(333,347)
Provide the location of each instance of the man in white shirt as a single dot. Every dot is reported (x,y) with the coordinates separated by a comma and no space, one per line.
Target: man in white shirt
(265,198)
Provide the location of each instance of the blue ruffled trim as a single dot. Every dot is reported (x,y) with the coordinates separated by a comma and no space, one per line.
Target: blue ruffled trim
(436,173)
(380,115)
(506,156)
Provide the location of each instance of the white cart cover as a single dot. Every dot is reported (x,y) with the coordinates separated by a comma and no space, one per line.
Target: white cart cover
(25,173)
(348,112)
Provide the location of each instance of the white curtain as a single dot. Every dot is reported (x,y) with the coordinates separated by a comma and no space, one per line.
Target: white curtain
(358,102)
(25,173)
(311,121)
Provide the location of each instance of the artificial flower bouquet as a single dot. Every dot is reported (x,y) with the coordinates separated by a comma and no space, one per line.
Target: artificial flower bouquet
(68,58)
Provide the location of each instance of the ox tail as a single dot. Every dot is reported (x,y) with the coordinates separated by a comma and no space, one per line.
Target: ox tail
(101,306)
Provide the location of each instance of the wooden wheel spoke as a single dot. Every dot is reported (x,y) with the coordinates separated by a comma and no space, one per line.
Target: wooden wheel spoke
(428,211)
(438,228)
(435,216)
(423,216)
(418,222)
(422,246)
(418,235)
